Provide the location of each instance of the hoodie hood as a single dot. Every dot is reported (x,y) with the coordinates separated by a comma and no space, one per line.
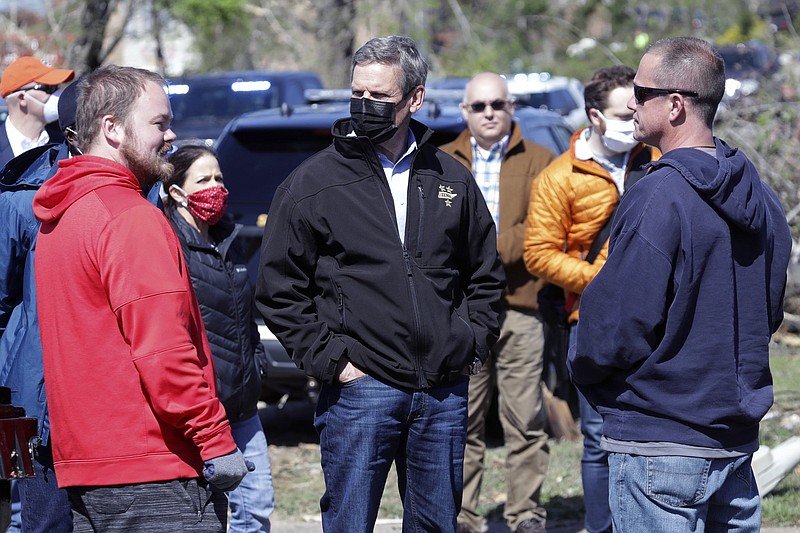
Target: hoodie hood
(735,191)
(76,178)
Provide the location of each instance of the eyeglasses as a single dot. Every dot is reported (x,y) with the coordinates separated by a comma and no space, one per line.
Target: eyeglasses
(478,107)
(642,93)
(49,89)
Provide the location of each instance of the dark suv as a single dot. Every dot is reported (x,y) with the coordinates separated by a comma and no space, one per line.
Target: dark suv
(202,104)
(257,151)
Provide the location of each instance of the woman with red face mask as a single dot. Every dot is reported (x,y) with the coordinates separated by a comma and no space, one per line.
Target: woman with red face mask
(195,206)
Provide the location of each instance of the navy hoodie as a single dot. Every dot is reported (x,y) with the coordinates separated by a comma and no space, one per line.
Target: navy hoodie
(674,330)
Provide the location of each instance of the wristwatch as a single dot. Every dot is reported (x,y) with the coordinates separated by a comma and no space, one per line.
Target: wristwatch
(475,366)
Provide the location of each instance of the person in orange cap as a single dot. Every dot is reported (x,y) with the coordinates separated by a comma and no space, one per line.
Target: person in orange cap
(28,85)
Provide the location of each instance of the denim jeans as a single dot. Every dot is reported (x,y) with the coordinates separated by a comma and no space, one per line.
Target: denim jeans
(254,499)
(365,426)
(671,493)
(44,507)
(594,463)
(16,509)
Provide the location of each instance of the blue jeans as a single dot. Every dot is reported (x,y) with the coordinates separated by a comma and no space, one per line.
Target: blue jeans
(671,493)
(594,463)
(44,507)
(364,426)
(254,499)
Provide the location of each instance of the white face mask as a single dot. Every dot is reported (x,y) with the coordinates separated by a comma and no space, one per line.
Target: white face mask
(50,108)
(619,135)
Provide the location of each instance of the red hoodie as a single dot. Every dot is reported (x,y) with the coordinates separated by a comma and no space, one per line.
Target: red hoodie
(129,374)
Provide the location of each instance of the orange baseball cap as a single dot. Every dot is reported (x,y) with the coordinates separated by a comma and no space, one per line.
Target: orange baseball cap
(28,69)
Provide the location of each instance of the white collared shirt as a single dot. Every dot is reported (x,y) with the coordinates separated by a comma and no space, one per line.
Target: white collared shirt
(397,175)
(19,142)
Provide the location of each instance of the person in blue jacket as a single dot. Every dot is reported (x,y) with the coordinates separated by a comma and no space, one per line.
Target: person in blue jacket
(45,508)
(673,342)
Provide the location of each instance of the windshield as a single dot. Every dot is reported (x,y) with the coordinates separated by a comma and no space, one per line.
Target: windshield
(220,100)
(556,100)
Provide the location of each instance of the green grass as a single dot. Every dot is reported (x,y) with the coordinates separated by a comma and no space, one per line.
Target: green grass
(781,507)
(298,477)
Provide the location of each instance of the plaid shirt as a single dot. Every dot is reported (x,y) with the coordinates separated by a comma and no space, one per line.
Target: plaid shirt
(487,174)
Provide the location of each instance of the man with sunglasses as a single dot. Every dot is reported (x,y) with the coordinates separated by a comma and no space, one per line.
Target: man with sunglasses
(573,200)
(27,85)
(504,166)
(673,346)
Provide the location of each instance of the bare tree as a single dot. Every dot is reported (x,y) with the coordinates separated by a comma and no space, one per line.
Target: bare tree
(96,37)
(336,30)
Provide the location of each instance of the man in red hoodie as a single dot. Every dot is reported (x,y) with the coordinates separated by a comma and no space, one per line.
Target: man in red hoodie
(141,441)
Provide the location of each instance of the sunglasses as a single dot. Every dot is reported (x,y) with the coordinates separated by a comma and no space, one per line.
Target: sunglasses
(49,89)
(642,93)
(478,107)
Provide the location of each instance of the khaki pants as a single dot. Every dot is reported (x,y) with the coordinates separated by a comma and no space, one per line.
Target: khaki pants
(516,366)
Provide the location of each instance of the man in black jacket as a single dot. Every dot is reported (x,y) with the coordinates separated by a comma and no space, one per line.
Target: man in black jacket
(380,275)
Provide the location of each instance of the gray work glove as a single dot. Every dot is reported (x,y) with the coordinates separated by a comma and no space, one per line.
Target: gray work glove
(227,471)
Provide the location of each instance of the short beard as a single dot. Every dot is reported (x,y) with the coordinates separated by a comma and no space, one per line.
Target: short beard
(147,169)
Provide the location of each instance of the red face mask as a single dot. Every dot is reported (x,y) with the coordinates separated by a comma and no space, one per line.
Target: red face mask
(208,204)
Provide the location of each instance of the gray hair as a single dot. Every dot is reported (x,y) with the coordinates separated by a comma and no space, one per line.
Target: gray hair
(691,64)
(395,50)
(109,90)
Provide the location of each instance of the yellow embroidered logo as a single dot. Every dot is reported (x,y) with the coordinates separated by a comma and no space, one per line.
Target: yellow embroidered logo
(447,194)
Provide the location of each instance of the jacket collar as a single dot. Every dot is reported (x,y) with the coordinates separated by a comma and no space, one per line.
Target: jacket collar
(355,146)
(593,167)
(463,143)
(223,232)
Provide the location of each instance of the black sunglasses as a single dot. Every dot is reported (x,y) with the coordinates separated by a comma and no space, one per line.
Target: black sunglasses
(642,93)
(478,107)
(49,89)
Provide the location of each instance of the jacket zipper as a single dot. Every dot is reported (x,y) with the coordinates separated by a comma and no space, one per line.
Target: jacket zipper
(406,256)
(417,318)
(407,261)
(342,317)
(421,223)
(229,275)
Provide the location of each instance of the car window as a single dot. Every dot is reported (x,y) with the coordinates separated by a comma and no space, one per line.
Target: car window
(556,100)
(269,156)
(553,135)
(221,100)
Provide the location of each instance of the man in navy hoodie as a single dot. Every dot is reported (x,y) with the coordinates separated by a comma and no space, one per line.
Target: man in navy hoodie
(673,343)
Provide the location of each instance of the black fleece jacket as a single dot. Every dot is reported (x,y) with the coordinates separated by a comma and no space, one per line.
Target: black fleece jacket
(336,280)
(225,295)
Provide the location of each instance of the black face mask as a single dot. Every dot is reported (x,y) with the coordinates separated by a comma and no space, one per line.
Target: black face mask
(373,119)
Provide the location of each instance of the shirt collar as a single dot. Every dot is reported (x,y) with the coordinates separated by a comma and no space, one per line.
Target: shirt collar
(19,142)
(410,148)
(498,148)
(582,150)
